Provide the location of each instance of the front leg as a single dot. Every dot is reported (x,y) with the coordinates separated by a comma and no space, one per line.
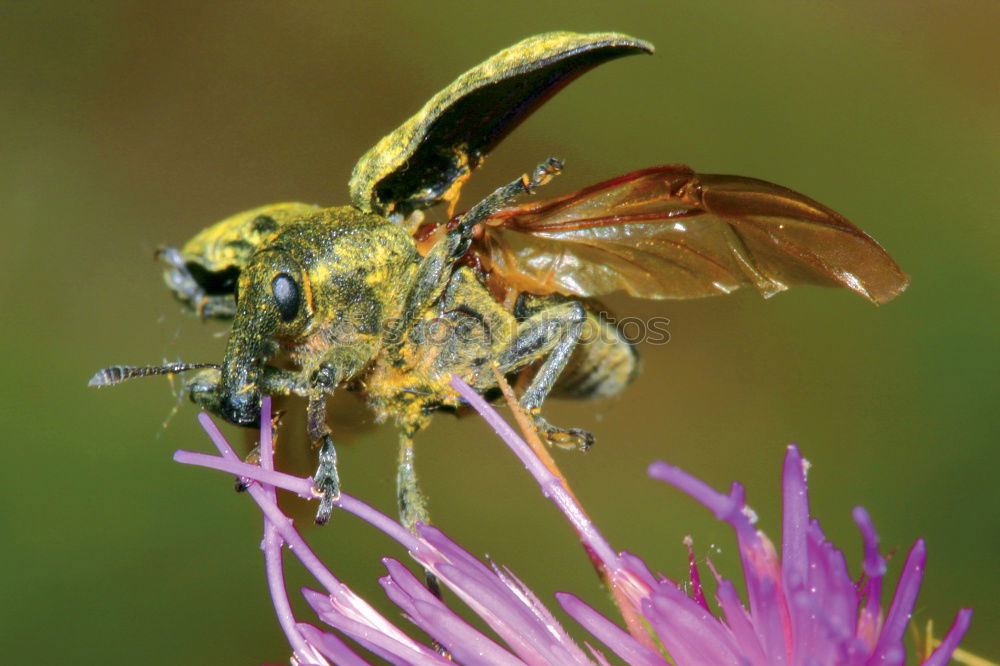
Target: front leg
(202,388)
(435,268)
(326,481)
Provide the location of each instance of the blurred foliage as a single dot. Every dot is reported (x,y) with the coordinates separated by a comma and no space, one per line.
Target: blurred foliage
(131,124)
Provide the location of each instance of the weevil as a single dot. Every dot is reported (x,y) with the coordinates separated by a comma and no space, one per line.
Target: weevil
(369,297)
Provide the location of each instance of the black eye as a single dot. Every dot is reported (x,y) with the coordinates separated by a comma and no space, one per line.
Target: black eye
(286,296)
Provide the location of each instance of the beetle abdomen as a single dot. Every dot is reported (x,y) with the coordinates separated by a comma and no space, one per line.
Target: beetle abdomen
(603,363)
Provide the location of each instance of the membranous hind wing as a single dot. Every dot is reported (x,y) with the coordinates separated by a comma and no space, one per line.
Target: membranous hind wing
(667,232)
(427,159)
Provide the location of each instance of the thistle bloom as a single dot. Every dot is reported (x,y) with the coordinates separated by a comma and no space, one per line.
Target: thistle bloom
(803,607)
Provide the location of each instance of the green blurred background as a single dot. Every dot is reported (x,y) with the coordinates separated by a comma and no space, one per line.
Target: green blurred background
(127,125)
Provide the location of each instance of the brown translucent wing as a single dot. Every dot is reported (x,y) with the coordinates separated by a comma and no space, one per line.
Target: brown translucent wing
(668,232)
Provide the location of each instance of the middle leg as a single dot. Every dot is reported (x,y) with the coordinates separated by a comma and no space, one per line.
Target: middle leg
(412,501)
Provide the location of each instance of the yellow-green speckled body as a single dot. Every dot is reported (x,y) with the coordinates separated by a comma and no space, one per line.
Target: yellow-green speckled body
(355,271)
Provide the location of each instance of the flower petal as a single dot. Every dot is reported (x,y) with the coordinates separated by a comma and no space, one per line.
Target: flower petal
(795,521)
(942,655)
(386,641)
(331,646)
(740,624)
(890,649)
(534,636)
(462,640)
(617,639)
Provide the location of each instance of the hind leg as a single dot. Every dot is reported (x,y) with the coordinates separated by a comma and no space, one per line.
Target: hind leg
(551,333)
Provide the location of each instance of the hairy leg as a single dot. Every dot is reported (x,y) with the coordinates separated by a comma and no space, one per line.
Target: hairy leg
(202,389)
(552,334)
(436,268)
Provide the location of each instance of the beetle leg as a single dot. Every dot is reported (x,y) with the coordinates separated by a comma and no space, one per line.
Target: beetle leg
(412,501)
(326,481)
(179,277)
(202,388)
(492,203)
(551,333)
(184,285)
(435,268)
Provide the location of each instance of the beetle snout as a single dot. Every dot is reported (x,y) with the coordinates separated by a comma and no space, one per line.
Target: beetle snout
(241,409)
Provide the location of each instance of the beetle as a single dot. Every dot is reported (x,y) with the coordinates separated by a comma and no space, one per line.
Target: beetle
(372,298)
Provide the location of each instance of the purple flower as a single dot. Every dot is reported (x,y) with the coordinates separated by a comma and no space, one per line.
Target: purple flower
(803,607)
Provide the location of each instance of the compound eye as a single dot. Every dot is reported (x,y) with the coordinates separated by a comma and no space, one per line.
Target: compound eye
(286,296)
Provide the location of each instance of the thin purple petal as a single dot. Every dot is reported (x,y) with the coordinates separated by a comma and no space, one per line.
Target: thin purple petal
(303,652)
(795,522)
(538,609)
(266,435)
(729,508)
(464,642)
(873,564)
(617,639)
(740,624)
(331,646)
(874,567)
(510,619)
(508,610)
(463,649)
(768,607)
(890,648)
(795,555)
(942,655)
(299,486)
(390,644)
(551,486)
(597,655)
(826,607)
(690,635)
(830,582)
